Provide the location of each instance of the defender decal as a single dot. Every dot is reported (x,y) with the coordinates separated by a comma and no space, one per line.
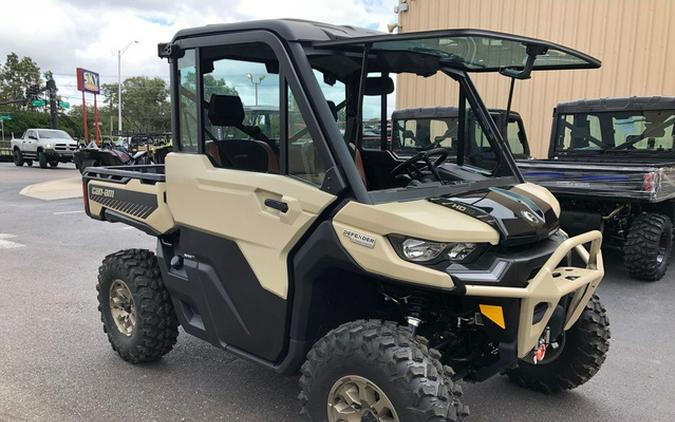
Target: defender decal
(359,238)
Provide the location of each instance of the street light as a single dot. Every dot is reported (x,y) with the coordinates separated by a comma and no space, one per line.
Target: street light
(255,80)
(119,84)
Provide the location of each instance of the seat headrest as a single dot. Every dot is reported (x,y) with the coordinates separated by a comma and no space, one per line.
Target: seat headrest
(226,110)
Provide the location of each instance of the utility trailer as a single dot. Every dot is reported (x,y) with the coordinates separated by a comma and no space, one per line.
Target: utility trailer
(383,293)
(611,163)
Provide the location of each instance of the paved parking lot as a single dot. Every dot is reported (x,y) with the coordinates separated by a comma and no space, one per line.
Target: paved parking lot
(56,364)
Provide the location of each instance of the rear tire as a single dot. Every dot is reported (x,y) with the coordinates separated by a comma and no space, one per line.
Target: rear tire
(398,369)
(42,160)
(151,324)
(649,246)
(584,350)
(18,158)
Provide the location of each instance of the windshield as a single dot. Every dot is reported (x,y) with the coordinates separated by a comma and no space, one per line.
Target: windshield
(53,134)
(463,152)
(607,132)
(475,50)
(413,134)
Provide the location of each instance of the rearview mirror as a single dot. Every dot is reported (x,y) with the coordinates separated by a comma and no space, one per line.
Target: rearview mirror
(379,85)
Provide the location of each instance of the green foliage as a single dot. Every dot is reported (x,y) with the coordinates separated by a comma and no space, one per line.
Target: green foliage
(145,104)
(16,76)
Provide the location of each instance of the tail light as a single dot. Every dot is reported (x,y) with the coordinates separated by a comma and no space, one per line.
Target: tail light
(649,182)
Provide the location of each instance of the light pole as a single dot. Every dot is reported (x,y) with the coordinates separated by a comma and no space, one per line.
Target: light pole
(119,84)
(255,80)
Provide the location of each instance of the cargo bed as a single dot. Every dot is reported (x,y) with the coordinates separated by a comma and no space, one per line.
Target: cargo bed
(134,195)
(644,181)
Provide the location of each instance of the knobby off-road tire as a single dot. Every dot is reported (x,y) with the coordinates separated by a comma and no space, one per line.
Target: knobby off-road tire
(584,350)
(18,158)
(156,327)
(53,164)
(401,365)
(649,246)
(42,160)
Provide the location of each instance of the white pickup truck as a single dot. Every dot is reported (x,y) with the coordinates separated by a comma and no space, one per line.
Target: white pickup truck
(46,146)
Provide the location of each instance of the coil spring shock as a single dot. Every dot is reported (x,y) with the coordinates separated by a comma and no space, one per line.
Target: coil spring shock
(413,311)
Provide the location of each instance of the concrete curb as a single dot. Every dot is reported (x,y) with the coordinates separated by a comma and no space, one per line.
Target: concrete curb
(67,188)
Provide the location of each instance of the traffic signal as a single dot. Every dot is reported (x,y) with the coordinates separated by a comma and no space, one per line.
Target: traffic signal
(32,91)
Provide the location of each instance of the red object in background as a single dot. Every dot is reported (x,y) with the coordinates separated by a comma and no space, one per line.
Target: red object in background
(88,81)
(84,117)
(97,129)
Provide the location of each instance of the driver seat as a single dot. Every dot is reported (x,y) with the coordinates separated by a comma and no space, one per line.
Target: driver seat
(358,160)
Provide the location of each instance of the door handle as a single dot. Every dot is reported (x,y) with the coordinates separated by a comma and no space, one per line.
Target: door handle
(277,205)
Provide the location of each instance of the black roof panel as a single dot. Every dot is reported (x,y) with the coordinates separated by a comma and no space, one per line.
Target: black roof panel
(617,104)
(288,29)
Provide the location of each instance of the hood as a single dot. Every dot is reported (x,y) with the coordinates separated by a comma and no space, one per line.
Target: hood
(519,216)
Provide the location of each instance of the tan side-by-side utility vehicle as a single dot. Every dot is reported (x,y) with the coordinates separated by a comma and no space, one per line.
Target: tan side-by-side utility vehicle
(383,281)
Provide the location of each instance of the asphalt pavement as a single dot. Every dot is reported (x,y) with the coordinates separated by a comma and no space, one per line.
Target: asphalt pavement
(56,363)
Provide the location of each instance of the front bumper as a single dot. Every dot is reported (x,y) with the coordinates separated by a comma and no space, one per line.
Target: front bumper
(60,154)
(550,284)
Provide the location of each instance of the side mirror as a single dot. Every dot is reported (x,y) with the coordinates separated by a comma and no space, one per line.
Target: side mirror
(32,137)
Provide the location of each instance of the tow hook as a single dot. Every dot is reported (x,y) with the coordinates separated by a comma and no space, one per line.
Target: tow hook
(539,352)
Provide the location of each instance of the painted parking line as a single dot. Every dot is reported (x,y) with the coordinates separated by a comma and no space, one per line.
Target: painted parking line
(8,244)
(68,212)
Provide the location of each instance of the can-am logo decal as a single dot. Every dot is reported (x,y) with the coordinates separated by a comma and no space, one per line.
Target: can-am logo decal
(359,238)
(106,193)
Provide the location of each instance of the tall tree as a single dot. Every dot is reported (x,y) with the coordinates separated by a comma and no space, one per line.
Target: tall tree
(17,75)
(145,104)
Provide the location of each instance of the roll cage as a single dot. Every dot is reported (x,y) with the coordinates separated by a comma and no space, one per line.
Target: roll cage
(302,47)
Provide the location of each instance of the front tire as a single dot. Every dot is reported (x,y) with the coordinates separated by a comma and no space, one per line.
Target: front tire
(42,160)
(649,246)
(377,370)
(53,164)
(136,310)
(585,347)
(18,158)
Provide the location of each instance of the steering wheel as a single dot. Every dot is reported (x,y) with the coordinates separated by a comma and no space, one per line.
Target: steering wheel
(410,167)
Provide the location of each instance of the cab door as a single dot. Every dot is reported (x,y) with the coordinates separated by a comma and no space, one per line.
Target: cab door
(242,196)
(29,142)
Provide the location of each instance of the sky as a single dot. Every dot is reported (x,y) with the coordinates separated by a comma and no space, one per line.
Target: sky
(61,35)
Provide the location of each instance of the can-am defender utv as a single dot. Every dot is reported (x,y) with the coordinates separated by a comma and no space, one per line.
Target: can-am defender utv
(391,280)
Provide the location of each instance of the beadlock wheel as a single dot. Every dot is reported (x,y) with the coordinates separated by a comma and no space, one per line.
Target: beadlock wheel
(122,307)
(355,398)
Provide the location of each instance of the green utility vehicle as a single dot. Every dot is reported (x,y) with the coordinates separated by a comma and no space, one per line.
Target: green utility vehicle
(611,163)
(382,292)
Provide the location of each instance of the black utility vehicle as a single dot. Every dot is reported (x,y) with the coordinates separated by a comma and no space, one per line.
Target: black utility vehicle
(422,128)
(611,164)
(383,281)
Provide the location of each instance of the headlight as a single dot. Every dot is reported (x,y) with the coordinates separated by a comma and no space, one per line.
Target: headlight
(421,250)
(47,146)
(417,250)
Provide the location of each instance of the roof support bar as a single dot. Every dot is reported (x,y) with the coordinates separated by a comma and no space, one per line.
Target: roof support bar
(358,127)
